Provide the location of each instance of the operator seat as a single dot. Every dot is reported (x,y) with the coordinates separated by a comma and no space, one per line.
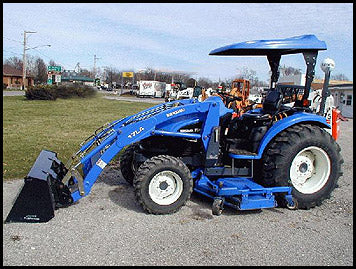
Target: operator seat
(271,106)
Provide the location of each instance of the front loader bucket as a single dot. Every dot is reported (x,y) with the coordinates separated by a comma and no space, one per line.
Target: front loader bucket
(42,192)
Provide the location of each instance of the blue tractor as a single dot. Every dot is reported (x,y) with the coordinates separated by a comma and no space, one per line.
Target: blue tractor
(277,155)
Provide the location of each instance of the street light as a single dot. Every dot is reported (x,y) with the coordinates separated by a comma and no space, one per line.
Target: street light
(38,47)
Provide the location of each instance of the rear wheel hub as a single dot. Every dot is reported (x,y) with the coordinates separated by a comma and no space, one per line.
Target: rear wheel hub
(310,170)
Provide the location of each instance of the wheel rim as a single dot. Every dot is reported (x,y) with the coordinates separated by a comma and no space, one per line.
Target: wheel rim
(310,170)
(165,187)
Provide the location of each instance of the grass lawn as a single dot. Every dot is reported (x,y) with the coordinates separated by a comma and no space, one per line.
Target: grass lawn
(60,126)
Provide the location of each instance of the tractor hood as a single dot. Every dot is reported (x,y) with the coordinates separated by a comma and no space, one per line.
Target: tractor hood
(290,45)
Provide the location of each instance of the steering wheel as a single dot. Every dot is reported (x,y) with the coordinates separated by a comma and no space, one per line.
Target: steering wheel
(228,98)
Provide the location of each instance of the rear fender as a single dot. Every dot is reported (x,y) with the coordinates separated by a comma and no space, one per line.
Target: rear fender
(279,126)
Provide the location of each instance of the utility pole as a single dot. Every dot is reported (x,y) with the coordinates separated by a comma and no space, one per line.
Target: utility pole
(95,58)
(24,58)
(77,68)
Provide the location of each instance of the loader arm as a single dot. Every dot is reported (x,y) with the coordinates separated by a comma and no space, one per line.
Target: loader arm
(161,120)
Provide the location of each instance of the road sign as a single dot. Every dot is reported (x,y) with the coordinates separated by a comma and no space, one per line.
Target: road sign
(49,81)
(127,74)
(54,68)
(58,78)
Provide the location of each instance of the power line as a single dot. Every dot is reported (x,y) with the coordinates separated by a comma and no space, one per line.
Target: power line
(13,40)
(12,52)
(43,54)
(77,55)
(50,58)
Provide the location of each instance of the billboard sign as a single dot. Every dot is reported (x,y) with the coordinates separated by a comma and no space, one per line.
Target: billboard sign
(127,74)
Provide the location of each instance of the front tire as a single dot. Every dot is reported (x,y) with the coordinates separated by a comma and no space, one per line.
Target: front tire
(127,165)
(307,158)
(162,184)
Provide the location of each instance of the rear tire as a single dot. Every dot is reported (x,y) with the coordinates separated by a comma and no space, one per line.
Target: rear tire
(307,158)
(163,184)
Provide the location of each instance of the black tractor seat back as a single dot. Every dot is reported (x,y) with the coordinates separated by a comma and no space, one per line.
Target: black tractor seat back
(273,102)
(271,106)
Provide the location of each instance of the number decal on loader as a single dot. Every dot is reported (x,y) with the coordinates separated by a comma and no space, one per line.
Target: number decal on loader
(134,133)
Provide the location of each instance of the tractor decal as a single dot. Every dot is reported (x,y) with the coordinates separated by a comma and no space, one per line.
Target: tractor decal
(136,132)
(175,112)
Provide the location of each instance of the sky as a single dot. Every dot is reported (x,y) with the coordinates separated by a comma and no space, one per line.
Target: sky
(175,36)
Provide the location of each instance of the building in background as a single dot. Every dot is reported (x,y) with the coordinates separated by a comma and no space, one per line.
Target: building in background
(298,79)
(343,96)
(70,77)
(342,91)
(13,78)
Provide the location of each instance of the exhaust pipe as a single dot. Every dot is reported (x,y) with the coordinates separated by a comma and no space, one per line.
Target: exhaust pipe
(43,191)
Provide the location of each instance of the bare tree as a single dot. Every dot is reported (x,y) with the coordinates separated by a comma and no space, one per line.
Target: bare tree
(250,75)
(31,65)
(205,82)
(148,74)
(181,77)
(152,74)
(85,73)
(289,70)
(14,62)
(111,75)
(52,63)
(40,71)
(339,77)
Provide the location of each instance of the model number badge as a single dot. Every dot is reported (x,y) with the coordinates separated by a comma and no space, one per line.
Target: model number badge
(134,133)
(175,112)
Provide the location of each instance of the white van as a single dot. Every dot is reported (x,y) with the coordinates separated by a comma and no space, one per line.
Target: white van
(151,88)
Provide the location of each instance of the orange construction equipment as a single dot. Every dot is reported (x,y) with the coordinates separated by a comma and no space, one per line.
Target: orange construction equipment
(240,88)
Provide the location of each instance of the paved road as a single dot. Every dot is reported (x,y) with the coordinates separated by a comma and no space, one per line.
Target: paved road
(135,99)
(12,93)
(109,228)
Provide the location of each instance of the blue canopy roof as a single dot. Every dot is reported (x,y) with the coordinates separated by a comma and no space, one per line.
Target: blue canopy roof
(290,45)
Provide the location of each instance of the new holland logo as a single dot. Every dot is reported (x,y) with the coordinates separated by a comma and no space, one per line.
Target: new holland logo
(175,112)
(31,217)
(134,133)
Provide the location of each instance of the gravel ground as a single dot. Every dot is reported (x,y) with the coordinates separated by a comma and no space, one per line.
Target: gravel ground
(109,228)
